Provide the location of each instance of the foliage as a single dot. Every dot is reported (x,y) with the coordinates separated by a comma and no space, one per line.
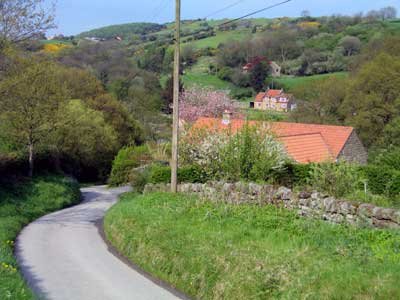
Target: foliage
(84,137)
(127,159)
(200,102)
(337,179)
(31,96)
(22,20)
(219,251)
(249,154)
(54,48)
(123,30)
(382,180)
(21,203)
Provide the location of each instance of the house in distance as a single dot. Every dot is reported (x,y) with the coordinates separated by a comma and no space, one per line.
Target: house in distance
(274,67)
(275,100)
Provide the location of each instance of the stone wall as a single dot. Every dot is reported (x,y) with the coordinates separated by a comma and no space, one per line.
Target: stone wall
(311,205)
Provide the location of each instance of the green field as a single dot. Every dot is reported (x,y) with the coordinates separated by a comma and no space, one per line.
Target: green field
(290,83)
(205,80)
(20,204)
(221,37)
(220,251)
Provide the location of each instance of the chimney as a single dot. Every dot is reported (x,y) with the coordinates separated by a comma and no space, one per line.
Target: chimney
(226,117)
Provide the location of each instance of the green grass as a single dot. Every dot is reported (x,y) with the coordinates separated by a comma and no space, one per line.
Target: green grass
(219,251)
(262,115)
(290,83)
(19,205)
(205,80)
(221,37)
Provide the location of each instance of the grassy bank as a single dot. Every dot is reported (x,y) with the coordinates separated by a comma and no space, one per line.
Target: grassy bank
(217,251)
(19,205)
(291,83)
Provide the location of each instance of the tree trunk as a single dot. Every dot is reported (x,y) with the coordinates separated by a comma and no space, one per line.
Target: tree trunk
(31,157)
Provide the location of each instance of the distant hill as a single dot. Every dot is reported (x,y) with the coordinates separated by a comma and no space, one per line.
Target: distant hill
(122,30)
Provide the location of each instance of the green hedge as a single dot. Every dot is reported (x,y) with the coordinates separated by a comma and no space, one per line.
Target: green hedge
(382,180)
(190,174)
(127,159)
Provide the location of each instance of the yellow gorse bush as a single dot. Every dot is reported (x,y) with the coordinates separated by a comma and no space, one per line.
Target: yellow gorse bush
(52,48)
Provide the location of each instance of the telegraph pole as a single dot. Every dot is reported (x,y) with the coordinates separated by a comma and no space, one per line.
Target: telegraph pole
(175,125)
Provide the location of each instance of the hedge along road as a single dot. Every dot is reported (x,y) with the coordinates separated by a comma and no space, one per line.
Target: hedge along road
(63,256)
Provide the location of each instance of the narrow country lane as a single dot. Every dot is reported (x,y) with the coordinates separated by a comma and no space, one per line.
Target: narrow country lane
(64,257)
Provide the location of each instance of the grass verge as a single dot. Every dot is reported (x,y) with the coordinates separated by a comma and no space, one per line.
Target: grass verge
(19,205)
(219,251)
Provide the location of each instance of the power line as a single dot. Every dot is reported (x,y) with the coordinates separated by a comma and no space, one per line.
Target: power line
(240,18)
(255,12)
(223,9)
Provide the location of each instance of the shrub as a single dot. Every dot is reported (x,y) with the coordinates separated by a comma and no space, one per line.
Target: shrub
(225,73)
(337,179)
(249,154)
(127,159)
(382,179)
(162,174)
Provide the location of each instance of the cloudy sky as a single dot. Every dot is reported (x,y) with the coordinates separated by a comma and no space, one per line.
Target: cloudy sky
(75,16)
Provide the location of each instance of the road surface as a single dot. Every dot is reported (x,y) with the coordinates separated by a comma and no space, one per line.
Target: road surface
(64,257)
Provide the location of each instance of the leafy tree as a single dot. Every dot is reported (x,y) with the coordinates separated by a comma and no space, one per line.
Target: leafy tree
(126,128)
(351,45)
(84,136)
(30,98)
(21,20)
(373,101)
(258,74)
(320,102)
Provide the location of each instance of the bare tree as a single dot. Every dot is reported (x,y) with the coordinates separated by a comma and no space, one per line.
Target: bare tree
(21,20)
(305,14)
(389,12)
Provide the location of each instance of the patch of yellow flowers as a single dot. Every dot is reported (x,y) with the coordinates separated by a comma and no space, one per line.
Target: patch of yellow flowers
(8,267)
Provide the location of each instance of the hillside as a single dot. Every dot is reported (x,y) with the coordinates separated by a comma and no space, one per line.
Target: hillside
(122,30)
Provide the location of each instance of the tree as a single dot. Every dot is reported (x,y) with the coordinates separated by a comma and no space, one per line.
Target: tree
(351,45)
(84,136)
(373,103)
(305,14)
(198,102)
(320,101)
(30,98)
(127,129)
(388,12)
(21,20)
(258,74)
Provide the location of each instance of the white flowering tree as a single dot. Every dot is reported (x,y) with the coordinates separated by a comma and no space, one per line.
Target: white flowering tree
(250,154)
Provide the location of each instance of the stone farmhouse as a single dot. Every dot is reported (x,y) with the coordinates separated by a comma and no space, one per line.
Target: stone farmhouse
(276,100)
(304,143)
(275,68)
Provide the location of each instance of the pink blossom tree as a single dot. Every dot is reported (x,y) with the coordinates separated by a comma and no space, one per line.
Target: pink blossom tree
(200,102)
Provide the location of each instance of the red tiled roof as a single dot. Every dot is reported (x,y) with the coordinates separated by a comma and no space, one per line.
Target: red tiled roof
(307,148)
(273,93)
(304,142)
(260,97)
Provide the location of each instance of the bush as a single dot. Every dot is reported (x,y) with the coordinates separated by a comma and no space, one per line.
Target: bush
(382,179)
(225,73)
(337,179)
(127,159)
(162,174)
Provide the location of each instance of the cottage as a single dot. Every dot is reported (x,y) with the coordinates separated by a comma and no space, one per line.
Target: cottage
(304,143)
(276,100)
(274,67)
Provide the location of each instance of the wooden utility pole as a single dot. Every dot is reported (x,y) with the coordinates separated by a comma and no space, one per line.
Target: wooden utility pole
(175,125)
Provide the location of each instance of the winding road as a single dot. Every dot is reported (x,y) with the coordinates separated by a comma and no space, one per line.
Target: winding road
(63,256)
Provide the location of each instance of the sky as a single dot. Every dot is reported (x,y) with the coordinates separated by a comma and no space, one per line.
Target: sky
(75,16)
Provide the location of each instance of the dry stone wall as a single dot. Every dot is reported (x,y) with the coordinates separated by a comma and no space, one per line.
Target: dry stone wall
(307,204)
